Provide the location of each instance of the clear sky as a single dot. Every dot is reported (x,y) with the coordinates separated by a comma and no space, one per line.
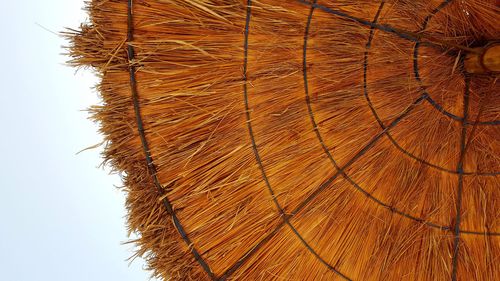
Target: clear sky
(61,217)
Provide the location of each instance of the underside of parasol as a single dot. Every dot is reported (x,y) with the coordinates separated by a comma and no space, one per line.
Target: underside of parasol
(303,140)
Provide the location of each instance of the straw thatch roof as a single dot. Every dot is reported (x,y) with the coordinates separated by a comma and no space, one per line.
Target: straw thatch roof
(301,140)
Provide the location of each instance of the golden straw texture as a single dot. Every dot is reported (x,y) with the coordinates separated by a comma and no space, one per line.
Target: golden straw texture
(301,140)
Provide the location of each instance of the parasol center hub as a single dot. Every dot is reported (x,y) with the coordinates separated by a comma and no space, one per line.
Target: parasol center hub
(486,60)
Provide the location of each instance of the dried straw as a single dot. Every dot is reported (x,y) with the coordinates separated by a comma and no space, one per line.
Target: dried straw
(295,140)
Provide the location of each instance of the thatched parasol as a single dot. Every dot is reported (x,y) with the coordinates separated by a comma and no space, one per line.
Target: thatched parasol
(303,140)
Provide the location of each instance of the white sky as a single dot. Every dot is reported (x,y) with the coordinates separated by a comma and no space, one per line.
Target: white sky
(60,216)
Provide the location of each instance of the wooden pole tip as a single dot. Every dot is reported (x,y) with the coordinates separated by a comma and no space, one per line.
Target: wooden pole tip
(487,61)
